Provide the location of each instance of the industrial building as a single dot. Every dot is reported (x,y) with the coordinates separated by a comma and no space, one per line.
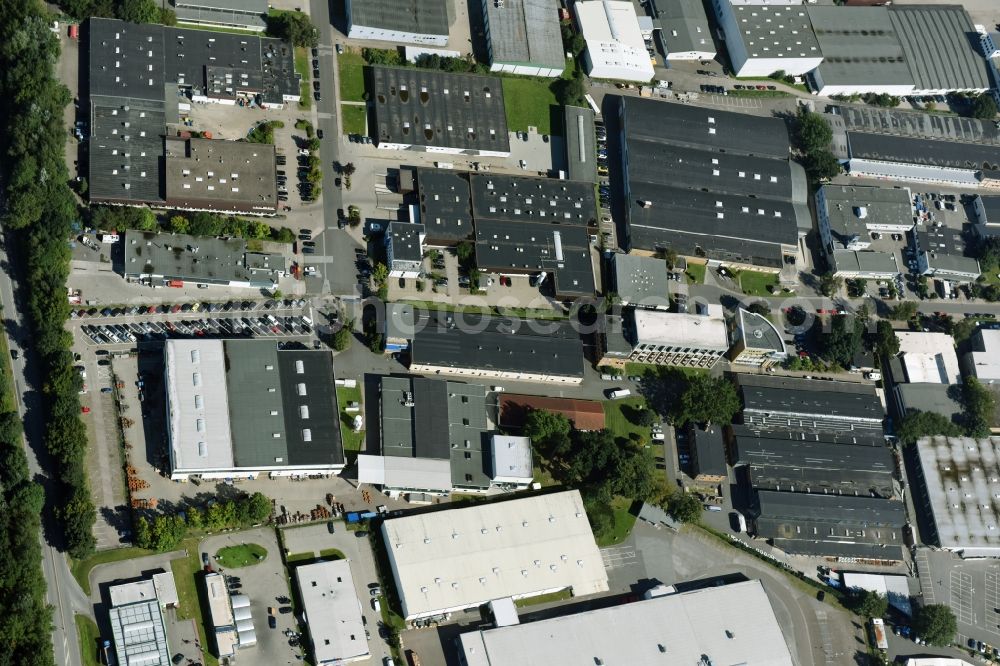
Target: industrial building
(404,249)
(438,112)
(941,254)
(163,259)
(583,414)
(239,408)
(828,525)
(895,588)
(672,338)
(139,77)
(756,341)
(408,21)
(332,611)
(229,617)
(987,212)
(684,30)
(802,463)
(764,38)
(615,46)
(928,358)
(470,345)
(445,205)
(727,624)
(523,37)
(810,406)
(451,560)
(712,184)
(136,618)
(982,361)
(581,144)
(239,14)
(958,490)
(533,226)
(709,460)
(848,214)
(641,281)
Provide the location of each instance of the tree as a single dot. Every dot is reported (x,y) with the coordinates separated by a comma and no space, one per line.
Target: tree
(984,107)
(843,341)
(830,284)
(465,253)
(342,336)
(935,624)
(380,273)
(549,432)
(918,424)
(349,169)
(139,11)
(706,400)
(885,343)
(979,404)
(814,131)
(294,27)
(760,307)
(645,417)
(871,604)
(381,56)
(258,507)
(904,311)
(178,224)
(683,507)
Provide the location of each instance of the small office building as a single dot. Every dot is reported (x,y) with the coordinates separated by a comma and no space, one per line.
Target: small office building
(138,631)
(641,281)
(332,612)
(445,205)
(941,254)
(849,214)
(671,338)
(404,21)
(709,460)
(615,45)
(757,342)
(404,243)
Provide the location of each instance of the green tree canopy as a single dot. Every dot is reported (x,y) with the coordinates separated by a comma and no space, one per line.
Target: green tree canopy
(935,624)
(706,400)
(684,507)
(844,339)
(830,284)
(885,343)
(139,11)
(916,424)
(979,404)
(814,131)
(984,107)
(295,27)
(549,432)
(871,604)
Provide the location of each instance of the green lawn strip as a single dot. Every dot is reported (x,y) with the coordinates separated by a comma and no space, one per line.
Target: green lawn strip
(8,400)
(561,595)
(232,31)
(616,422)
(332,554)
(303,70)
(187,572)
(755,283)
(89,635)
(355,118)
(771,82)
(624,522)
(299,557)
(243,555)
(353,441)
(527,101)
(695,273)
(81,568)
(351,68)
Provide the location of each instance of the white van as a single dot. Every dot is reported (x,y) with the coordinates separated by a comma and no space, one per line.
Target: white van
(615,394)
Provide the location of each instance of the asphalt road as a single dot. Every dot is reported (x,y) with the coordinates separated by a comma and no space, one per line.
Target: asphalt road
(62,593)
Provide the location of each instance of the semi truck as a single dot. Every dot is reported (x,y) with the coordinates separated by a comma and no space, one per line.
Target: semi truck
(878,632)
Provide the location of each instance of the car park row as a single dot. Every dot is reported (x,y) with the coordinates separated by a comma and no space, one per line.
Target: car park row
(229,306)
(268,325)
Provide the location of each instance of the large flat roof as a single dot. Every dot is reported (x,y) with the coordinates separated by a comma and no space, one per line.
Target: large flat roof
(686,18)
(525,32)
(865,262)
(188,258)
(427,17)
(139,634)
(918,124)
(461,558)
(860,45)
(614,40)
(641,280)
(674,329)
(938,47)
(853,209)
(776,31)
(581,143)
(810,397)
(198,405)
(929,358)
(960,475)
(126,150)
(731,624)
(247,13)
(926,152)
(231,174)
(985,354)
(445,204)
(332,610)
(430,108)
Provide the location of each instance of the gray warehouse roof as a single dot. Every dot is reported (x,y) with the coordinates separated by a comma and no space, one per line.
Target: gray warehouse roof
(234,175)
(859,45)
(864,262)
(810,398)
(835,509)
(445,205)
(404,238)
(641,280)
(688,19)
(918,124)
(581,143)
(777,31)
(503,197)
(428,108)
(429,17)
(248,13)
(938,46)
(709,451)
(525,32)
(908,150)
(126,150)
(851,209)
(190,258)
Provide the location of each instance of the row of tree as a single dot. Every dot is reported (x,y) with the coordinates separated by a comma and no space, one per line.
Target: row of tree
(195,223)
(814,137)
(935,623)
(38,215)
(133,11)
(166,531)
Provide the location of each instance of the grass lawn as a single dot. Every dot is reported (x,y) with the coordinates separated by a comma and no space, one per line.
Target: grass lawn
(527,101)
(244,555)
(561,595)
(303,70)
(351,68)
(352,440)
(332,554)
(754,283)
(695,273)
(88,634)
(186,572)
(355,119)
(624,522)
(299,557)
(81,568)
(232,31)
(616,421)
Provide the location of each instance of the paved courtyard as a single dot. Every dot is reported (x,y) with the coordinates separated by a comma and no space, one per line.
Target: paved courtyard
(970,587)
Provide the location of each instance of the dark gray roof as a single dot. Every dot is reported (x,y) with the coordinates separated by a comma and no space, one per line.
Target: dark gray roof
(944,248)
(430,108)
(928,152)
(502,344)
(125,59)
(832,509)
(427,17)
(992,207)
(641,280)
(943,399)
(126,150)
(405,240)
(430,418)
(860,438)
(810,397)
(938,45)
(917,124)
(868,551)
(581,144)
(503,197)
(689,20)
(859,45)
(758,332)
(247,13)
(818,467)
(266,397)
(709,451)
(228,175)
(190,258)
(445,205)
(524,32)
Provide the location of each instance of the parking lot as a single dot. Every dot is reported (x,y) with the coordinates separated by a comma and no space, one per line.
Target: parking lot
(970,587)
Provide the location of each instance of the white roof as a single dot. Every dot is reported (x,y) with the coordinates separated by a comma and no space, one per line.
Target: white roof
(166,589)
(936,661)
(220,612)
(730,624)
(986,363)
(399,472)
(929,358)
(131,593)
(504,612)
(893,588)
(614,40)
(332,611)
(511,458)
(198,401)
(461,558)
(681,330)
(962,478)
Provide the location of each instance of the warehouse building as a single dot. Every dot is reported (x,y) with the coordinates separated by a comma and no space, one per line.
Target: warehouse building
(239,14)
(684,30)
(848,214)
(523,37)
(615,46)
(987,212)
(581,144)
(928,358)
(447,561)
(804,463)
(764,38)
(982,361)
(828,525)
(239,408)
(221,176)
(445,205)
(162,259)
(811,406)
(757,342)
(641,281)
(408,21)
(712,184)
(332,611)
(404,249)
(727,624)
(438,112)
(470,345)
(137,627)
(941,254)
(950,162)
(959,489)
(709,460)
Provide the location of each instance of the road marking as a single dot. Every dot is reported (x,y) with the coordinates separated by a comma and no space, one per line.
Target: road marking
(618,556)
(961,597)
(824,633)
(924,575)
